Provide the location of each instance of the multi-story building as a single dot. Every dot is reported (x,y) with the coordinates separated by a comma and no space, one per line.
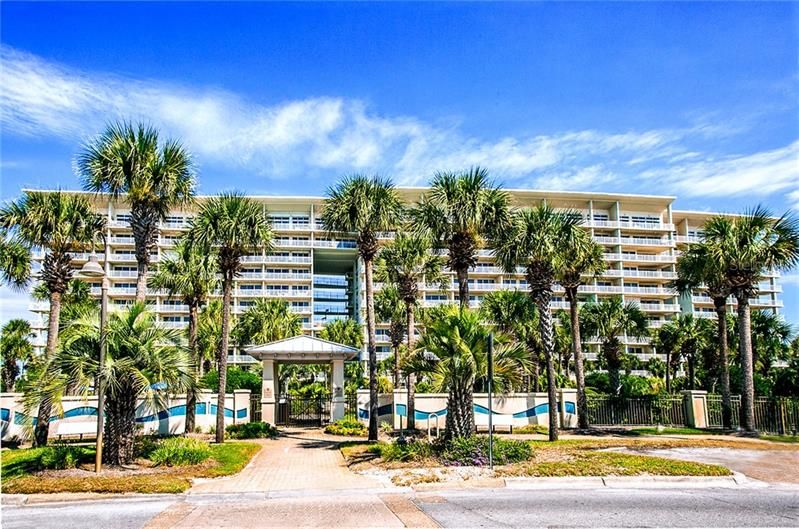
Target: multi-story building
(319,275)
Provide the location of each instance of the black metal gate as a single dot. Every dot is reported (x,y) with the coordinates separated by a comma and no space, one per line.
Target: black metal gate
(293,410)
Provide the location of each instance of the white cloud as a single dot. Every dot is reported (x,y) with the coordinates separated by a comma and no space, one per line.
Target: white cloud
(338,135)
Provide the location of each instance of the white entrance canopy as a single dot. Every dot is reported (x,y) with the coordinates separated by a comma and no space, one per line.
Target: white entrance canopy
(303,349)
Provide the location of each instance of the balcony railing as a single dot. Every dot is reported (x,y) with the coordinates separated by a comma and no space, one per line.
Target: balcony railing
(324,243)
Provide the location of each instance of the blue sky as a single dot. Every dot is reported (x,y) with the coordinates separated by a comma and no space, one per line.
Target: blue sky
(693,100)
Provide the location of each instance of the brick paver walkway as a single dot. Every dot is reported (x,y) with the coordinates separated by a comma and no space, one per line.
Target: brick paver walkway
(299,459)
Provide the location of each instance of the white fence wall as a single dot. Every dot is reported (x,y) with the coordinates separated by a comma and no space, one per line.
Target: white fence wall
(79,416)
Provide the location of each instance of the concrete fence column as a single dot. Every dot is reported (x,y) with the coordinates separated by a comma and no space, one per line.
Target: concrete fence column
(568,407)
(400,419)
(268,392)
(241,403)
(695,402)
(339,401)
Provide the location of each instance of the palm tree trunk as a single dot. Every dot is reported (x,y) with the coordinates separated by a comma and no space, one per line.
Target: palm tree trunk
(611,351)
(371,349)
(668,371)
(396,377)
(745,346)
(536,374)
(142,267)
(42,429)
(120,426)
(460,411)
(547,340)
(463,287)
(191,396)
(577,351)
(726,399)
(227,286)
(691,370)
(411,420)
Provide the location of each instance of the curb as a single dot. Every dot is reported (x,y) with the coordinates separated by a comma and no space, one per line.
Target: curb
(20,500)
(626,482)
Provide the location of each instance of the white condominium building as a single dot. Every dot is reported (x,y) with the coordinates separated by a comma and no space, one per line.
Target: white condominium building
(319,276)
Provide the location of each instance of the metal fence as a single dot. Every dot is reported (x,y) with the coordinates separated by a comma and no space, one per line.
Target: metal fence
(255,408)
(351,406)
(605,410)
(714,411)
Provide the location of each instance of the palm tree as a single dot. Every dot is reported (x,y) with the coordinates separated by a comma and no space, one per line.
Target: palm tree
(453,351)
(538,239)
(697,267)
(514,314)
(692,336)
(390,309)
(209,334)
(15,262)
(771,337)
(365,207)
(666,341)
(266,321)
(406,262)
(609,320)
(233,225)
(343,331)
(191,276)
(142,360)
(57,223)
(15,348)
(748,246)
(460,212)
(582,259)
(127,159)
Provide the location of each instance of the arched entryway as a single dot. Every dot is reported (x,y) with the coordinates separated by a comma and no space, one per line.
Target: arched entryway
(276,409)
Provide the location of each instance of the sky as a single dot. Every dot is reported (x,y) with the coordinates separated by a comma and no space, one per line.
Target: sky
(695,100)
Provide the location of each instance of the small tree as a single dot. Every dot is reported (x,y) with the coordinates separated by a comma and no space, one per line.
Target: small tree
(15,349)
(453,352)
(268,320)
(609,320)
(391,309)
(15,262)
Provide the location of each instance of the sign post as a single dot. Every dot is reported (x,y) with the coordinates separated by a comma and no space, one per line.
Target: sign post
(490,401)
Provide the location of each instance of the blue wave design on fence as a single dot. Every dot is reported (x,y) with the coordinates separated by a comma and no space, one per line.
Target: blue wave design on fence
(87,411)
(541,409)
(385,409)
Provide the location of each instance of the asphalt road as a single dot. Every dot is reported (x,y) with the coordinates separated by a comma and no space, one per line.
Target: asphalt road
(733,507)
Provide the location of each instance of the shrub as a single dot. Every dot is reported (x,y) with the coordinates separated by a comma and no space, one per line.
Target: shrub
(474,451)
(145,445)
(60,457)
(386,427)
(531,428)
(349,427)
(180,451)
(410,451)
(251,430)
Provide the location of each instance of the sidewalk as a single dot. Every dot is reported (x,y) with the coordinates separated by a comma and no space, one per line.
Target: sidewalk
(299,459)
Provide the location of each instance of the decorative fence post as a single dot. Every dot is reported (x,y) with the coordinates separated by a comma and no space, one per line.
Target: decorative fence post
(695,402)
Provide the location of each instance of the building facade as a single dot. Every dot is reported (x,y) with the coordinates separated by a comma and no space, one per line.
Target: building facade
(320,276)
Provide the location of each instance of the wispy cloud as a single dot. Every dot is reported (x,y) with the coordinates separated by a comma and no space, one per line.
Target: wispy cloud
(338,134)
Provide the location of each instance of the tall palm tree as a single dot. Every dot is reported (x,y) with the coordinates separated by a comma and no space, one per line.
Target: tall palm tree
(460,212)
(15,348)
(209,334)
(692,336)
(514,313)
(266,321)
(142,360)
(57,223)
(608,320)
(365,207)
(538,239)
(15,262)
(191,276)
(233,225)
(127,159)
(389,308)
(697,268)
(771,337)
(582,259)
(747,247)
(405,262)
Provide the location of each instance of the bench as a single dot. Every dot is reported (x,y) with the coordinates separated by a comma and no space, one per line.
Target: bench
(481,419)
(75,430)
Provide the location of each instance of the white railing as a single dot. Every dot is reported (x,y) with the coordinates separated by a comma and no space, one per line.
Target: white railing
(287,259)
(662,307)
(252,258)
(627,224)
(662,258)
(121,240)
(175,225)
(650,273)
(300,310)
(435,302)
(642,241)
(250,293)
(122,290)
(285,226)
(485,270)
(290,277)
(323,243)
(292,243)
(175,324)
(687,238)
(648,290)
(124,273)
(174,308)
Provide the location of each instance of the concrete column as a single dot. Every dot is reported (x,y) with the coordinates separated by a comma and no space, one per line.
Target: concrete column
(695,402)
(241,403)
(268,392)
(339,400)
(568,407)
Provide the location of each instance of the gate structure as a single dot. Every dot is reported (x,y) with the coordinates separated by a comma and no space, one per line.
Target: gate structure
(293,410)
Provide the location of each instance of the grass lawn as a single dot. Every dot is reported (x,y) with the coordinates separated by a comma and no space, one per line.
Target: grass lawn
(572,457)
(781,438)
(675,431)
(20,473)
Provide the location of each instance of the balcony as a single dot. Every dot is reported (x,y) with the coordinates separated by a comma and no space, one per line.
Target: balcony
(288,243)
(659,307)
(485,270)
(178,307)
(643,241)
(655,274)
(287,226)
(286,259)
(341,244)
(614,224)
(660,258)
(287,277)
(124,273)
(687,239)
(649,290)
(175,324)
